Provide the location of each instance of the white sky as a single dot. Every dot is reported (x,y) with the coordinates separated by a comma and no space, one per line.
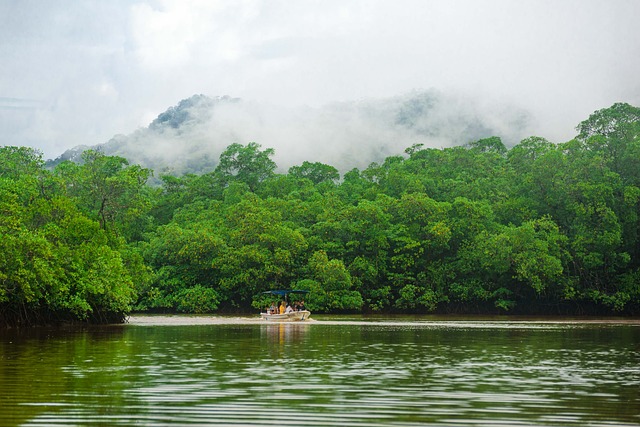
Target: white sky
(78,72)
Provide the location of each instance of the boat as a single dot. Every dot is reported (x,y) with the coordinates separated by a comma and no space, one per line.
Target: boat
(287,317)
(293,316)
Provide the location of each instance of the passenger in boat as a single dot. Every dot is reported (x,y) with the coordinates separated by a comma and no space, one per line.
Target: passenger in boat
(288,309)
(272,309)
(282,307)
(301,306)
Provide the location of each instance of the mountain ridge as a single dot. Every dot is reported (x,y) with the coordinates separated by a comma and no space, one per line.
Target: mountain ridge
(189,136)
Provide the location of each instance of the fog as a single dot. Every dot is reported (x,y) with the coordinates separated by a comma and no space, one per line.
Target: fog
(81,72)
(190,136)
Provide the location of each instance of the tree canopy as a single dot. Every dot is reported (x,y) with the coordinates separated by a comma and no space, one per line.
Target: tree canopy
(536,228)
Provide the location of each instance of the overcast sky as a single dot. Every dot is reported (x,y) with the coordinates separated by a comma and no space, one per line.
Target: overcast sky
(78,72)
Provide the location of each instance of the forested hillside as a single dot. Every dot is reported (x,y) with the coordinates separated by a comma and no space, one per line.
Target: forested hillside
(190,136)
(540,228)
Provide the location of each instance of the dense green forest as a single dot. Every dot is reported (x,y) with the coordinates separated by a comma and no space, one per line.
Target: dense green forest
(539,228)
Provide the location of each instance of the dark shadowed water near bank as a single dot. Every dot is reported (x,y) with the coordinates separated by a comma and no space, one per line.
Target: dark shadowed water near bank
(334,371)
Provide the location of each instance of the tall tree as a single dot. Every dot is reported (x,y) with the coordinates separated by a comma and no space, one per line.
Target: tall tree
(316,172)
(109,189)
(248,164)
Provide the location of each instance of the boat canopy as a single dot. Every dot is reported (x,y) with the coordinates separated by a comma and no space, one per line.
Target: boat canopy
(284,292)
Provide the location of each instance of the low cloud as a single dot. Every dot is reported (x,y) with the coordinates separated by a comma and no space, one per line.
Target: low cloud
(189,137)
(102,68)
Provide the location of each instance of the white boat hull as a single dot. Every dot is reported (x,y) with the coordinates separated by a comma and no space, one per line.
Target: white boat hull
(296,316)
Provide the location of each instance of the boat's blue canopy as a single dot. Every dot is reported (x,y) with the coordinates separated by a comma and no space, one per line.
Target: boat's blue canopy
(283,292)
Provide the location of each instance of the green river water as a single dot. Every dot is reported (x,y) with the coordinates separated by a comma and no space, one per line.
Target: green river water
(175,370)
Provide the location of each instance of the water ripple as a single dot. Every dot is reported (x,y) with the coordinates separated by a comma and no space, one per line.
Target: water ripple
(324,375)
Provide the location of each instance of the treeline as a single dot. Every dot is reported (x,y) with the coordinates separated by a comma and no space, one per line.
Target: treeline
(539,228)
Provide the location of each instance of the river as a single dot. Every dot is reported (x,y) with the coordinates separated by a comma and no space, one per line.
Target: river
(333,371)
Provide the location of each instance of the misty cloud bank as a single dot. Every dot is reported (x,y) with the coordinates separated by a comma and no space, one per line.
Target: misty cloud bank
(189,137)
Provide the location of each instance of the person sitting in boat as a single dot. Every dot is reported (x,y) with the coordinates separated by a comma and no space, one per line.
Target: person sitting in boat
(301,306)
(282,307)
(272,309)
(288,309)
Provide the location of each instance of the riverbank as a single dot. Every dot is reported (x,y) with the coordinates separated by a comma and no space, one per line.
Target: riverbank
(186,320)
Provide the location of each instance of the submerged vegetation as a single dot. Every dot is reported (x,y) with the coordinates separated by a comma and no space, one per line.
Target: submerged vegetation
(538,228)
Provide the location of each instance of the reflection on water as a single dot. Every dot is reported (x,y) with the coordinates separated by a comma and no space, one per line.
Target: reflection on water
(323,374)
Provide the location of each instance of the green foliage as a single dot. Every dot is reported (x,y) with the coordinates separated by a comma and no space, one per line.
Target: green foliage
(246,164)
(197,299)
(108,190)
(330,287)
(315,172)
(615,121)
(56,263)
(541,227)
(489,145)
(413,297)
(18,162)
